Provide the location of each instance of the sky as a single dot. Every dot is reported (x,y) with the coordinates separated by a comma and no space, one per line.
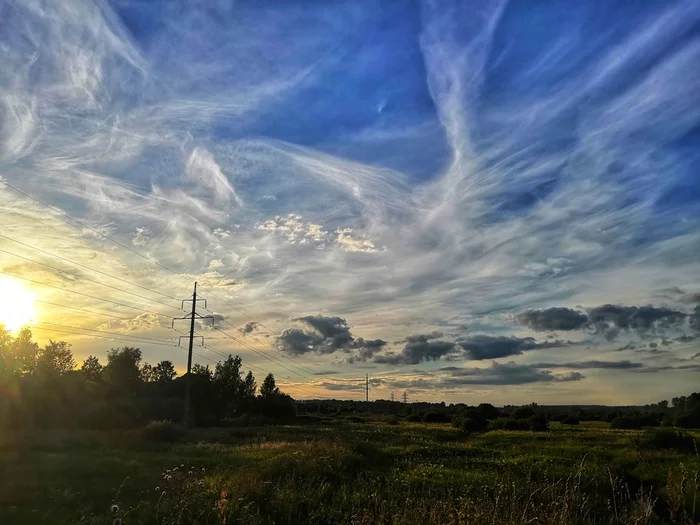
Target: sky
(467,201)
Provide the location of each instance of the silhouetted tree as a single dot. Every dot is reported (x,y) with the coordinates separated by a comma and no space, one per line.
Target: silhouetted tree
(164,372)
(92,368)
(122,370)
(55,358)
(269,387)
(249,386)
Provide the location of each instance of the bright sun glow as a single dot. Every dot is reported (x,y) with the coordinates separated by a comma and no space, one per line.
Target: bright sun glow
(16,305)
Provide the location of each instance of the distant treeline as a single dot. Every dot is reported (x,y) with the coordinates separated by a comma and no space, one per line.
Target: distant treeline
(683,411)
(43,386)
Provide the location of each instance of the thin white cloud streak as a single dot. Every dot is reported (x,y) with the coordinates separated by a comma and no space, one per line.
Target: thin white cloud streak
(98,127)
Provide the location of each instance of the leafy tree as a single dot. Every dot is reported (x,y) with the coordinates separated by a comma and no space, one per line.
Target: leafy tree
(228,384)
(122,370)
(146,373)
(679,402)
(164,372)
(249,386)
(202,371)
(55,358)
(269,387)
(92,368)
(18,354)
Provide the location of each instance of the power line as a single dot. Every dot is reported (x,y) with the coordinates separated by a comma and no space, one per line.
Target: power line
(146,339)
(89,280)
(299,367)
(262,354)
(246,334)
(88,267)
(84,294)
(101,234)
(253,368)
(91,335)
(82,310)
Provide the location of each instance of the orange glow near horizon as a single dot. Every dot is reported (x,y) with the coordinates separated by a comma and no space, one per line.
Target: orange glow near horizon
(17,305)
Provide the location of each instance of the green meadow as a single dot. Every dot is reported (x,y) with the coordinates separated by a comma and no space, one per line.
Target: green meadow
(359,471)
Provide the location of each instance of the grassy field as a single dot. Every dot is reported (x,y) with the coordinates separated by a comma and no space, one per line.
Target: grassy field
(338,471)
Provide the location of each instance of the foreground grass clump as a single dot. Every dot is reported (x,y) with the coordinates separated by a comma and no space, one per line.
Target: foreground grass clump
(340,471)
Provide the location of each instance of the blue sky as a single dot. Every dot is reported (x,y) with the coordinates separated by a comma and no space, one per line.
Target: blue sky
(444,195)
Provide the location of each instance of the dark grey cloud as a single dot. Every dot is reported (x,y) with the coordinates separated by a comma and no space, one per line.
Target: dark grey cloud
(417,352)
(670,368)
(641,319)
(695,319)
(685,338)
(690,298)
(250,327)
(505,374)
(480,347)
(422,338)
(328,335)
(298,342)
(335,330)
(583,365)
(607,320)
(553,319)
(452,377)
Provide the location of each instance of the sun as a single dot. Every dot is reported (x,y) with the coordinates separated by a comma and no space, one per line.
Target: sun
(16,305)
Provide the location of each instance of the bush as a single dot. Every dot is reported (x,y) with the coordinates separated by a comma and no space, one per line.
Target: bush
(635,422)
(688,420)
(524,412)
(487,412)
(570,420)
(508,423)
(470,424)
(414,418)
(668,439)
(162,431)
(436,417)
(538,423)
(355,419)
(392,421)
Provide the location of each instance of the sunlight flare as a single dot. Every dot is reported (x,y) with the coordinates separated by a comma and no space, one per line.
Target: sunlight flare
(17,307)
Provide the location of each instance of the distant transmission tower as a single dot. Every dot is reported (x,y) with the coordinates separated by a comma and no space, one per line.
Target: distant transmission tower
(191,318)
(405,396)
(366,388)
(392,397)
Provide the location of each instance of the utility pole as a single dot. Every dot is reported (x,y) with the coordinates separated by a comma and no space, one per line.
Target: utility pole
(405,396)
(187,417)
(366,388)
(392,397)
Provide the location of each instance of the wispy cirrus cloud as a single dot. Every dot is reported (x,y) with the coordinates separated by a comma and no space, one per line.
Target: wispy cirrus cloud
(286,170)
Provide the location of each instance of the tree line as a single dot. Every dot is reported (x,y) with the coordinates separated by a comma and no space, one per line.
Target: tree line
(45,387)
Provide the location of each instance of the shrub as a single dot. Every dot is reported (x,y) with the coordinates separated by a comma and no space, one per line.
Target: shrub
(392,421)
(470,424)
(538,423)
(570,420)
(634,422)
(487,412)
(523,412)
(354,419)
(669,439)
(414,418)
(688,420)
(508,423)
(436,417)
(162,431)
